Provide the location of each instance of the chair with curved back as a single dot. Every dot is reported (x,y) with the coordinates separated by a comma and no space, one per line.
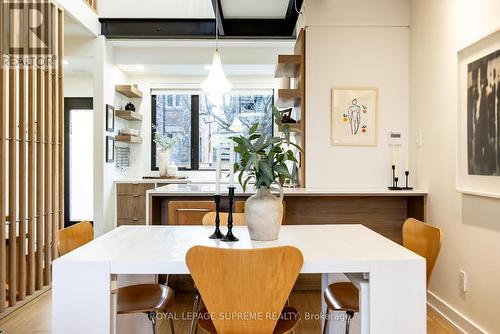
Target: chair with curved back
(419,237)
(142,298)
(253,283)
(209,219)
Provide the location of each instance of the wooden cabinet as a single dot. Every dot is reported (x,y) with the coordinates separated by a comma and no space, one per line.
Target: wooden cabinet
(188,212)
(131,203)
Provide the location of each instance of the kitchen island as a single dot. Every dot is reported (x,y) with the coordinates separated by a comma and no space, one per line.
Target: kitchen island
(381,210)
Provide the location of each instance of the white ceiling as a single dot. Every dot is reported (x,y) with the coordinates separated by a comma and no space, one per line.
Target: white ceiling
(192,8)
(240,57)
(261,9)
(74,29)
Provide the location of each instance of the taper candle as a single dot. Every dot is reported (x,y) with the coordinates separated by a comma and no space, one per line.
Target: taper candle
(231,163)
(217,170)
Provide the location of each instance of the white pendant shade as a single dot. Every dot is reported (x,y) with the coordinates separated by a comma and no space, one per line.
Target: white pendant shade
(216,84)
(237,126)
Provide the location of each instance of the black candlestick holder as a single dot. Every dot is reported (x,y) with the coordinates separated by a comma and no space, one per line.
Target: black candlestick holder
(395,180)
(217,234)
(229,237)
(407,181)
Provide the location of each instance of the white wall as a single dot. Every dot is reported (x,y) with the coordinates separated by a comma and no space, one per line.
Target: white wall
(470,224)
(78,86)
(107,75)
(358,43)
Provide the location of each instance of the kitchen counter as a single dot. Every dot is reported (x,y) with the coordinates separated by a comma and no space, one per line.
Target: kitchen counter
(209,190)
(162,181)
(382,210)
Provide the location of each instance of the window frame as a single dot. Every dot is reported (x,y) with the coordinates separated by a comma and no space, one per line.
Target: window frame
(195,133)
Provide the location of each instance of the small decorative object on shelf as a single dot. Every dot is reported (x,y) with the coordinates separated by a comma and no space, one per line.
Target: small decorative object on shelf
(395,180)
(407,181)
(229,237)
(217,233)
(286,116)
(130,106)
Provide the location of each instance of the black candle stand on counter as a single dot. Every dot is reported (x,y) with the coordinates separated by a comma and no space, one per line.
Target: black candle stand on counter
(395,180)
(217,233)
(229,237)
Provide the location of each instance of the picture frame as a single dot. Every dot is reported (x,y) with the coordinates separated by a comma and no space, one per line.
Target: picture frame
(110,118)
(110,149)
(478,133)
(354,116)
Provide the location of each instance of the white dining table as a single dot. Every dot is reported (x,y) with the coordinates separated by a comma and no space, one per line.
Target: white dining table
(391,278)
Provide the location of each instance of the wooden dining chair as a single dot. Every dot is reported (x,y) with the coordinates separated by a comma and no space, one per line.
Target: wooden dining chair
(419,237)
(252,284)
(209,219)
(142,298)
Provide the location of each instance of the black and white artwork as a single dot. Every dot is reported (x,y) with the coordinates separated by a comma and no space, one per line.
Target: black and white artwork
(483,115)
(110,118)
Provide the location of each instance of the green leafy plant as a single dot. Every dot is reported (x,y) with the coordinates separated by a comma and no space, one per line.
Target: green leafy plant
(263,158)
(164,141)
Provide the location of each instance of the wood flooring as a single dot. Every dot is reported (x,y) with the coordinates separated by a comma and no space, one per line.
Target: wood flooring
(35,317)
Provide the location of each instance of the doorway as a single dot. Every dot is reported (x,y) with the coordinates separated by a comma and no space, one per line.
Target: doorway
(78,160)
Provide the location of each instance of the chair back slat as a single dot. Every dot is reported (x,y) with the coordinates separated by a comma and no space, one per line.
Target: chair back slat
(254,283)
(423,239)
(75,236)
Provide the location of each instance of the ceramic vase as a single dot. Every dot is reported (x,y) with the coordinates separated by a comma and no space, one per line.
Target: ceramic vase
(264,214)
(163,162)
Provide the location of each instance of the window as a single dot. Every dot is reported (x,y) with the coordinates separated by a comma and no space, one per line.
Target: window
(197,126)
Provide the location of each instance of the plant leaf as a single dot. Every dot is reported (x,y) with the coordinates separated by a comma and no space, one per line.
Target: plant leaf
(253,128)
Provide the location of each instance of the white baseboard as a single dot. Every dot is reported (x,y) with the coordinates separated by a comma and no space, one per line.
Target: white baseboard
(457,320)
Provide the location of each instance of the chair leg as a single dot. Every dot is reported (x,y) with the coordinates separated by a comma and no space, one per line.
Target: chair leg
(171,322)
(325,324)
(152,318)
(194,321)
(349,316)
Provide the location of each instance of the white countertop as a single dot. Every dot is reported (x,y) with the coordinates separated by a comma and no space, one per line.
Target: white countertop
(209,189)
(158,249)
(171,181)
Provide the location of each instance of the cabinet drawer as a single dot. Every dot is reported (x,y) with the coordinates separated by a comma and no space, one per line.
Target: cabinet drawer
(188,212)
(127,207)
(121,222)
(132,189)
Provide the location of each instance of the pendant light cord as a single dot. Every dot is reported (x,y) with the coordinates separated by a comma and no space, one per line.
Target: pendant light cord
(216,25)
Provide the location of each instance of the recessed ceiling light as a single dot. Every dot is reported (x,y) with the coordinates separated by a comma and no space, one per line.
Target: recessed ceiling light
(139,67)
(65,62)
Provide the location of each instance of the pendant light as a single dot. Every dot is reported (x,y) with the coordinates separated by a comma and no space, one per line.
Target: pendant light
(216,84)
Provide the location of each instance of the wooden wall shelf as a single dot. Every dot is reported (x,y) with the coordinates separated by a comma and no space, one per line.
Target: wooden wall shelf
(128,91)
(288,98)
(294,126)
(128,115)
(288,66)
(128,139)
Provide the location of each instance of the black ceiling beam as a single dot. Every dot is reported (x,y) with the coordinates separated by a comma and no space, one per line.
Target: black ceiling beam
(292,15)
(256,28)
(157,28)
(217,6)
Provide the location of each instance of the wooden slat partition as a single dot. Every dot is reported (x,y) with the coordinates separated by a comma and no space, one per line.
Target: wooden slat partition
(47,212)
(92,4)
(3,176)
(31,153)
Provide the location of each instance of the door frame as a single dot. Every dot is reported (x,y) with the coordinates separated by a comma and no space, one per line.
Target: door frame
(71,103)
